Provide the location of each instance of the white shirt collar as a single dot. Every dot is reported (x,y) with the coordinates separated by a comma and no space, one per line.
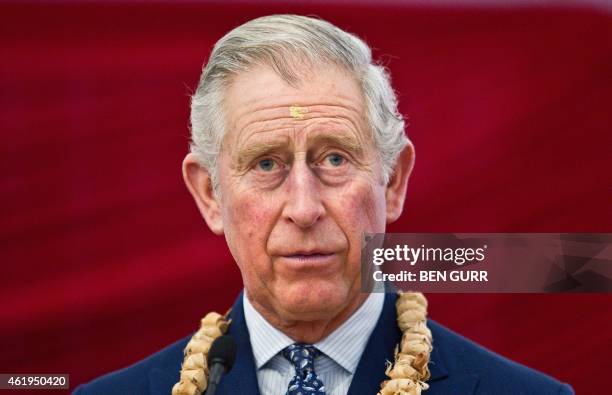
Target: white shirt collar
(344,345)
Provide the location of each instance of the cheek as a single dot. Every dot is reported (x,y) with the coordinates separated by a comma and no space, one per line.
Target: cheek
(243,216)
(248,218)
(362,208)
(359,208)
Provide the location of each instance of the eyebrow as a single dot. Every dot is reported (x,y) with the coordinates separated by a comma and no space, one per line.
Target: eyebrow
(340,140)
(245,155)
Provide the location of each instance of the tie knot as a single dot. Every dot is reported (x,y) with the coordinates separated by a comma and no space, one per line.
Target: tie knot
(302,357)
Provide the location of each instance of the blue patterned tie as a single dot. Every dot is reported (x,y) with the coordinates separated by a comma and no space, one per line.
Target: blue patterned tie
(305,380)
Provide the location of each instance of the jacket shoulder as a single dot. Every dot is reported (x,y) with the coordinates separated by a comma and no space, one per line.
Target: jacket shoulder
(135,379)
(496,374)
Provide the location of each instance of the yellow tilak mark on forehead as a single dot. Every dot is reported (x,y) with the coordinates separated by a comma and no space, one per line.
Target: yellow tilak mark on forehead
(297,112)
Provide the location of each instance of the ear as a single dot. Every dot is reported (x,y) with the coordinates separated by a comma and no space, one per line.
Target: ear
(200,186)
(395,194)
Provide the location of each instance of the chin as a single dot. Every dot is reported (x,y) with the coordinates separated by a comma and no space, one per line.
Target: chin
(313,300)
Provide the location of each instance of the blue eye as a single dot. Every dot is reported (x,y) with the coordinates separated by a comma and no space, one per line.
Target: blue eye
(266,164)
(335,160)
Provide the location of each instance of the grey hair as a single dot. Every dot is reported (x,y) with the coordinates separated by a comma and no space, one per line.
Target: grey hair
(283,42)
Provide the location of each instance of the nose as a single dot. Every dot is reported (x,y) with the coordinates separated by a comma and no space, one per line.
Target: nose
(303,205)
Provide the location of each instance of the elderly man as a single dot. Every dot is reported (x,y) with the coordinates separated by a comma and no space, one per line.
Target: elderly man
(298,150)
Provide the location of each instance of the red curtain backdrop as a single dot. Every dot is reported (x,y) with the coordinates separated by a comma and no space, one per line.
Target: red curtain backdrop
(105,258)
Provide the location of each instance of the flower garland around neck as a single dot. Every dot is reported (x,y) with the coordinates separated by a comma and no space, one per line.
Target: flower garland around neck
(407,375)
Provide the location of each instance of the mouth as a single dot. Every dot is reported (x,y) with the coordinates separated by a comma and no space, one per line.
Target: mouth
(312,261)
(309,257)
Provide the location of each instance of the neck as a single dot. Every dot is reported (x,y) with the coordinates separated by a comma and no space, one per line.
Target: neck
(310,331)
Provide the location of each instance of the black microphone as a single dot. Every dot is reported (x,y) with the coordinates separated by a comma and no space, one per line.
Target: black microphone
(220,360)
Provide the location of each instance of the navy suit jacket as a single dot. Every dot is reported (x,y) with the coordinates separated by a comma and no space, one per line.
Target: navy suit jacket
(457,365)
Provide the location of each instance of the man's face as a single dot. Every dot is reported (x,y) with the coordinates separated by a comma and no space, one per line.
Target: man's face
(300,182)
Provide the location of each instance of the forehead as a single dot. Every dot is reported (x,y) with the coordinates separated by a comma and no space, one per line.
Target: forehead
(260,100)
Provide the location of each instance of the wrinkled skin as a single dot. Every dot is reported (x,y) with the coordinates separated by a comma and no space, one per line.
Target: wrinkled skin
(299,183)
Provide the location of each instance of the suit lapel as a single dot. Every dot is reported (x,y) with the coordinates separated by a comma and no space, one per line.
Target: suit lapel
(242,378)
(386,335)
(380,348)
(442,382)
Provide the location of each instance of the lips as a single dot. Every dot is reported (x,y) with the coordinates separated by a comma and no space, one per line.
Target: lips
(309,261)
(308,257)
